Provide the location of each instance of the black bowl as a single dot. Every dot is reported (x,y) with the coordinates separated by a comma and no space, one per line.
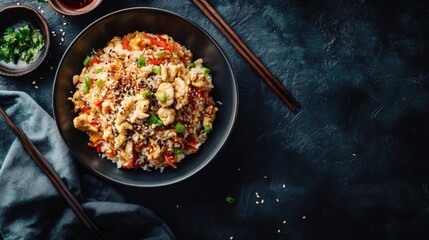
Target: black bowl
(19,16)
(151,20)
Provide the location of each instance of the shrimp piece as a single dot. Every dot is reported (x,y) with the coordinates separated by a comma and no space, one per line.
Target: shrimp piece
(165,94)
(82,122)
(180,93)
(166,115)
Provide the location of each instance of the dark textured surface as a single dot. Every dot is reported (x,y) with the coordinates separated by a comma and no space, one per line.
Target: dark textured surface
(352,164)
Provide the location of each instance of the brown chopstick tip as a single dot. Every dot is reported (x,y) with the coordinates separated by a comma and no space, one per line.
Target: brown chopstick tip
(247,54)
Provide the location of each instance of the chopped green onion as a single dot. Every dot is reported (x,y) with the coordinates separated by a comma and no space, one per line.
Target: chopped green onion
(152,120)
(206,70)
(156,69)
(98,70)
(180,127)
(141,61)
(160,53)
(87,81)
(207,129)
(230,200)
(85,89)
(177,150)
(176,56)
(192,65)
(159,123)
(161,97)
(86,60)
(146,94)
(99,83)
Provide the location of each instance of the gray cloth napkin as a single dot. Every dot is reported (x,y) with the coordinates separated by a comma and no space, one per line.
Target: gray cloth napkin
(30,206)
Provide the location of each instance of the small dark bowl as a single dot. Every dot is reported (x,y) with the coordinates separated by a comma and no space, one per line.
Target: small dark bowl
(151,20)
(57,6)
(19,16)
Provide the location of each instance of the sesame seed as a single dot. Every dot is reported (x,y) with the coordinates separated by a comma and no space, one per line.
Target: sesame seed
(265,177)
(42,11)
(18,3)
(277,200)
(61,30)
(304,217)
(284,185)
(278,230)
(232,237)
(262,201)
(64,23)
(257,202)
(36,87)
(284,222)
(34,82)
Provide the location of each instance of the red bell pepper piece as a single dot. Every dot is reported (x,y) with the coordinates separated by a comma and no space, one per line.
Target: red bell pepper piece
(156,61)
(125,44)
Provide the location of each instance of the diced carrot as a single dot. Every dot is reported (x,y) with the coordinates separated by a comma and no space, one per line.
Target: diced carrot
(125,44)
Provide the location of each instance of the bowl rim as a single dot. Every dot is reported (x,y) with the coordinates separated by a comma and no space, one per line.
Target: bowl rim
(44,28)
(62,10)
(232,121)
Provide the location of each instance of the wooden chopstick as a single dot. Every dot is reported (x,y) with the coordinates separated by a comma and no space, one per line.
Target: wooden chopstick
(247,54)
(53,176)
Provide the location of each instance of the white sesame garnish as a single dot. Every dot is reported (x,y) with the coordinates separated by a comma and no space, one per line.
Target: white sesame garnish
(257,194)
(34,82)
(284,222)
(177,206)
(262,201)
(354,154)
(278,230)
(265,177)
(257,202)
(64,23)
(277,200)
(36,87)
(284,185)
(42,11)
(232,237)
(64,33)
(61,30)
(18,3)
(304,217)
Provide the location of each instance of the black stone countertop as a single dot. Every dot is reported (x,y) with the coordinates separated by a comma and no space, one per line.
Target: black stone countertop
(351,164)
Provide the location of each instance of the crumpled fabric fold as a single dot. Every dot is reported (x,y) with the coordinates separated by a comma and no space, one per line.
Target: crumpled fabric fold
(31,207)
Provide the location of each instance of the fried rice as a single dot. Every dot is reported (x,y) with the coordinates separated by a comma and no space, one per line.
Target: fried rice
(143,101)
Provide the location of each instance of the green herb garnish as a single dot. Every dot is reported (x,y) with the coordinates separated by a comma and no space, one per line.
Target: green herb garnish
(146,94)
(230,200)
(22,43)
(156,69)
(180,127)
(207,130)
(177,150)
(141,61)
(206,70)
